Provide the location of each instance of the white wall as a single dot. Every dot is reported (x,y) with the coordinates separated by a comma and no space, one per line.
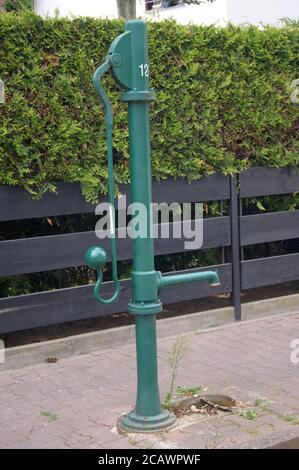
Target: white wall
(184,14)
(219,12)
(97,8)
(206,13)
(265,11)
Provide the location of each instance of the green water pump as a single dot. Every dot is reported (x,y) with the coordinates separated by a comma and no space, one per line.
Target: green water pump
(128,61)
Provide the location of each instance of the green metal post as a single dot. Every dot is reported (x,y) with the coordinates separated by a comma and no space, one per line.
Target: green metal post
(148,414)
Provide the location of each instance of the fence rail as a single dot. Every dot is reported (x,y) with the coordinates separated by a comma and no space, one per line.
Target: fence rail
(268,181)
(269,271)
(37,254)
(68,200)
(263,228)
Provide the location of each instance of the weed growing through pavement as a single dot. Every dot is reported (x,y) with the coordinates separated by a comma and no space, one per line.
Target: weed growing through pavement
(248,414)
(258,402)
(287,418)
(290,419)
(179,349)
(189,391)
(51,416)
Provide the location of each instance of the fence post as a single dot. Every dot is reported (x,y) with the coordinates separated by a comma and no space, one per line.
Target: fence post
(235,247)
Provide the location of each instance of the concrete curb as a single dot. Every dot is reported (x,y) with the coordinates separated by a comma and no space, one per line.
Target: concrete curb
(273,440)
(35,353)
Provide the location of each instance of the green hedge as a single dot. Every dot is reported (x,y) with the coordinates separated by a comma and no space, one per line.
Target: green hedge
(223,101)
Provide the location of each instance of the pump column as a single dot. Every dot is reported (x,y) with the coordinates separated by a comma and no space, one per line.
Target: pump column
(145,304)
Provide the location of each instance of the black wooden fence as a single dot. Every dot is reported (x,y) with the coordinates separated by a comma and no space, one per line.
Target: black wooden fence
(29,255)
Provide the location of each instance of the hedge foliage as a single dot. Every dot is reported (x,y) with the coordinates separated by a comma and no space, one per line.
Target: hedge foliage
(223,101)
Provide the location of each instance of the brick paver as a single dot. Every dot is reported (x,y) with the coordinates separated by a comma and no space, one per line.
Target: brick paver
(75,402)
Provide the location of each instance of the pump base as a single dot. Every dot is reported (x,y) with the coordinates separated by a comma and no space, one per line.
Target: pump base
(131,422)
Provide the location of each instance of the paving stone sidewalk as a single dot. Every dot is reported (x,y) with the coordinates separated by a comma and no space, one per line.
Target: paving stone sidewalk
(75,402)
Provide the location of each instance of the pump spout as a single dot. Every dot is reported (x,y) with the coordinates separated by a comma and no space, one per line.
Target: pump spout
(172,280)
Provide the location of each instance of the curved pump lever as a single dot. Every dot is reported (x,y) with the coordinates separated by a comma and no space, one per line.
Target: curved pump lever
(96,257)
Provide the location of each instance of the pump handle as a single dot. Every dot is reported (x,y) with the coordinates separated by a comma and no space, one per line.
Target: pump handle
(95,257)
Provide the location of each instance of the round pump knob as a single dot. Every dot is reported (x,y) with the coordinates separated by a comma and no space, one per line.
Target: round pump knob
(95,257)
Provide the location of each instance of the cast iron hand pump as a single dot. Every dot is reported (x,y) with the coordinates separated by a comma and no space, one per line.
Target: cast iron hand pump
(128,61)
